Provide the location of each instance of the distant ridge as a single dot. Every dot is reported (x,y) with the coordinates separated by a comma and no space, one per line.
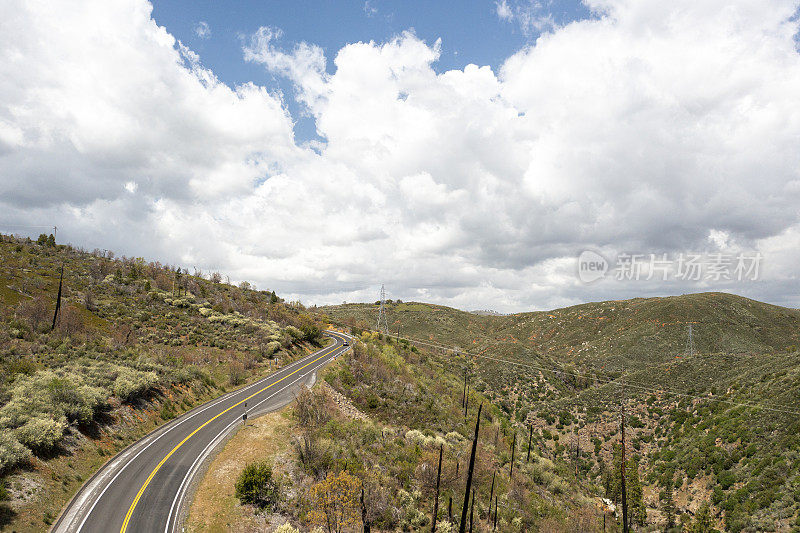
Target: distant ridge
(487,312)
(642,331)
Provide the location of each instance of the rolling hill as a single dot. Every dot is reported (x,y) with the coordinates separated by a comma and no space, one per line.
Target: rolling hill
(138,342)
(135,344)
(719,423)
(641,330)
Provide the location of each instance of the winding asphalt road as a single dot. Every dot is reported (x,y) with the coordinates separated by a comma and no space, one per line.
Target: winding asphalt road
(143,488)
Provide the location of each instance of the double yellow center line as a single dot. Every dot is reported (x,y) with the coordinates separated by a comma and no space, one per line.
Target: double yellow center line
(164,460)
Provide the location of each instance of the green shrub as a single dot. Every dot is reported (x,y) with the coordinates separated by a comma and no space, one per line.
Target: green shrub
(256,486)
(311,333)
(12,452)
(272,347)
(131,384)
(635,422)
(373,402)
(167,411)
(295,333)
(41,434)
(54,395)
(727,479)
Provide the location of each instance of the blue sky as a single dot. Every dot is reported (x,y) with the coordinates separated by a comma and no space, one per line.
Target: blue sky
(651,128)
(471,31)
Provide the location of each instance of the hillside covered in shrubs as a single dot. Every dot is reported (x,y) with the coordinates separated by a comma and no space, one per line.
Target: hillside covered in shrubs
(134,343)
(713,431)
(713,438)
(363,454)
(365,448)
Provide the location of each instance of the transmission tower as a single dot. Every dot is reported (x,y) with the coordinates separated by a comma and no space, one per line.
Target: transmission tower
(383,325)
(689,341)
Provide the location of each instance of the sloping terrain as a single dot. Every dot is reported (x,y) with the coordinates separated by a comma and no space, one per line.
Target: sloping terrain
(717,423)
(135,343)
(641,330)
(378,422)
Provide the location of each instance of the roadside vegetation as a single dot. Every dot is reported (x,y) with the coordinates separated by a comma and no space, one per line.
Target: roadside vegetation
(364,450)
(712,435)
(133,344)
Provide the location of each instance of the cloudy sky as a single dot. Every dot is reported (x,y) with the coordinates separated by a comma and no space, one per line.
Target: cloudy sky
(459,156)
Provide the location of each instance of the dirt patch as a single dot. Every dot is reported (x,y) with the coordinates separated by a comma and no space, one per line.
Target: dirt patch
(215,507)
(24,489)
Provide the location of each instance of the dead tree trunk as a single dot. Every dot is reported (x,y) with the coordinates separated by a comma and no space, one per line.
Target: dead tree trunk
(462,526)
(464,394)
(513,453)
(491,495)
(472,511)
(622,472)
(450,510)
(436,498)
(466,402)
(364,519)
(495,511)
(530,440)
(58,298)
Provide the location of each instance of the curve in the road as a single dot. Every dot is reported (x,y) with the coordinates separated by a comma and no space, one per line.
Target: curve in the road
(144,486)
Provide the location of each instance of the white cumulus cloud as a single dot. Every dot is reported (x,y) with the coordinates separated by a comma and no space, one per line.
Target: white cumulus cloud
(202,30)
(529,15)
(653,127)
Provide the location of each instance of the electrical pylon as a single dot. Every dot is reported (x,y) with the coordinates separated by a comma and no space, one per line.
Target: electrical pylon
(383,325)
(689,342)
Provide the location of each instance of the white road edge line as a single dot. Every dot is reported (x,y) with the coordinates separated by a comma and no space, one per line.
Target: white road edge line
(206,451)
(150,440)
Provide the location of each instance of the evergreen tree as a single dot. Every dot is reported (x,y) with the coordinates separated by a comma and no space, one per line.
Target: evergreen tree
(613,485)
(703,522)
(51,241)
(668,503)
(635,492)
(611,479)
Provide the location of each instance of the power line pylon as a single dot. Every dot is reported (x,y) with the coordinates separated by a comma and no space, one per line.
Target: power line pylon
(383,325)
(689,341)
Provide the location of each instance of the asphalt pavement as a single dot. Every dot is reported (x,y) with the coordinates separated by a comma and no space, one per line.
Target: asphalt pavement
(144,488)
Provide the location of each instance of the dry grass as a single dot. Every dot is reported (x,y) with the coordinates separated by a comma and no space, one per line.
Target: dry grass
(215,507)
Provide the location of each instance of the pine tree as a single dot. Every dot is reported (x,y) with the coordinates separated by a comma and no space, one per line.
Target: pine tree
(703,522)
(612,480)
(635,492)
(668,503)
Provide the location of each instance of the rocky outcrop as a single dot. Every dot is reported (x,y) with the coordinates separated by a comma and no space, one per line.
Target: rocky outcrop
(343,403)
